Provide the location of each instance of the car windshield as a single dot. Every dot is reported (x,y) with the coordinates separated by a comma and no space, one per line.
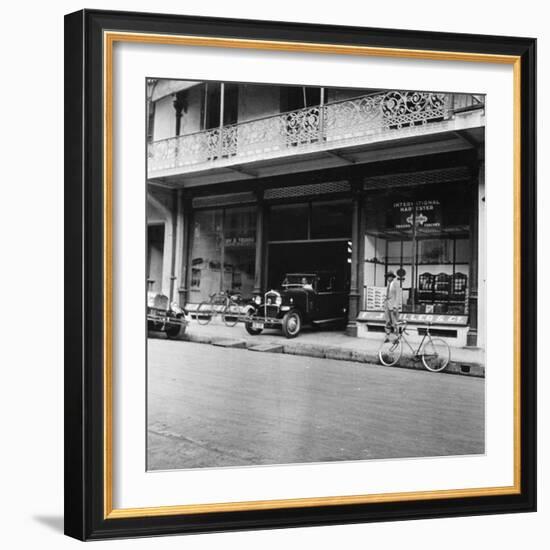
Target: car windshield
(298,280)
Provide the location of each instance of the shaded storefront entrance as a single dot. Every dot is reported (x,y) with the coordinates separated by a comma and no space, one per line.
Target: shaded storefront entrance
(308,257)
(309,236)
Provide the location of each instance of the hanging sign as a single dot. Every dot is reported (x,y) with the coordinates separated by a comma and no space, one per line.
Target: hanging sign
(426,213)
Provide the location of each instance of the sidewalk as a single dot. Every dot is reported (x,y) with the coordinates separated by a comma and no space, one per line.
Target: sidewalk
(324,344)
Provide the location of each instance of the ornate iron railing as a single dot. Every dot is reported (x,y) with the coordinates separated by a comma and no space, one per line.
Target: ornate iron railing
(312,127)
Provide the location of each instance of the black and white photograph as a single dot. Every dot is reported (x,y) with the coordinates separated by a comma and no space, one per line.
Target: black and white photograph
(315,274)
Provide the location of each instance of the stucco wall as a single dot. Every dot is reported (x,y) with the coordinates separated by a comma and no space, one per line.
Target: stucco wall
(165,119)
(165,115)
(258,101)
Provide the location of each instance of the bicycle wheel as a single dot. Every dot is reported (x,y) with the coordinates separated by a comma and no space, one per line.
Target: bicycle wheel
(204,313)
(436,354)
(230,314)
(390,352)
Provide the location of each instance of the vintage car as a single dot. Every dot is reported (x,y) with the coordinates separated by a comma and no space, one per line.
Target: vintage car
(315,298)
(163,316)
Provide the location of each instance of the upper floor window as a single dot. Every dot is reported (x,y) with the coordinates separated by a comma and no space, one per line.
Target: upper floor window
(212,104)
(299,97)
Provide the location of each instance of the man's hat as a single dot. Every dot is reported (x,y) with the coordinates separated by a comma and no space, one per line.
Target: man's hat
(390,274)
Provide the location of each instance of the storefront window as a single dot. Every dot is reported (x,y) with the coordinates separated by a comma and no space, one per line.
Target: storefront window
(423,235)
(435,251)
(223,252)
(240,249)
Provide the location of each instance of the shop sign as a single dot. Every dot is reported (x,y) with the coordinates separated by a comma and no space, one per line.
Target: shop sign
(239,242)
(420,318)
(427,213)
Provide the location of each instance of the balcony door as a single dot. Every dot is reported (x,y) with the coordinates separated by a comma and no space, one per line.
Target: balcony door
(299,97)
(212,104)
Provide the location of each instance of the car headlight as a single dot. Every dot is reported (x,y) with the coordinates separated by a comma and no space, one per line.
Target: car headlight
(257,300)
(176,308)
(278,301)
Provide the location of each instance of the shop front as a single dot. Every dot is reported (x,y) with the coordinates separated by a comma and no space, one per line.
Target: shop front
(223,251)
(422,225)
(248,249)
(426,233)
(308,236)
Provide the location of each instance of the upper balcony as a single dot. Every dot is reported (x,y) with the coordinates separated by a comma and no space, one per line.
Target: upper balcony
(323,128)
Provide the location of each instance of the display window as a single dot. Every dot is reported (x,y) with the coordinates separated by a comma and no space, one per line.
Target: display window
(423,235)
(223,251)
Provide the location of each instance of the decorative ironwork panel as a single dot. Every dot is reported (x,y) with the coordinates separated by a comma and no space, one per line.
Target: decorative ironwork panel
(260,136)
(351,118)
(307,190)
(224,200)
(443,175)
(401,109)
(162,154)
(301,127)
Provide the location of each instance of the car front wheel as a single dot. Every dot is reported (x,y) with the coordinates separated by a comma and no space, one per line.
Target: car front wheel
(250,330)
(292,324)
(248,323)
(175,331)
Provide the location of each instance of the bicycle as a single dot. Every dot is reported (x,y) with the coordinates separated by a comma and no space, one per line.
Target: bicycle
(435,353)
(224,303)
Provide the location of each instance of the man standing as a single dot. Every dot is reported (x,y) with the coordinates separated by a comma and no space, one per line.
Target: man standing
(392,304)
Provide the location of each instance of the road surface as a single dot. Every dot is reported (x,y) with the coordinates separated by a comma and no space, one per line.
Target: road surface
(210,407)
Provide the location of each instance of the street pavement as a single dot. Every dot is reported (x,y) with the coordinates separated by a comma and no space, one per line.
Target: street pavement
(210,407)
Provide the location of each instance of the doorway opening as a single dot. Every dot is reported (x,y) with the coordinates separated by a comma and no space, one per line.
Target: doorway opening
(155,256)
(308,257)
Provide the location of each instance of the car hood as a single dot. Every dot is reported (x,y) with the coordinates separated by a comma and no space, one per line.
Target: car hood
(298,291)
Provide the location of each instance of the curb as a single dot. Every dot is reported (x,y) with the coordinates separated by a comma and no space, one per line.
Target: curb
(462,368)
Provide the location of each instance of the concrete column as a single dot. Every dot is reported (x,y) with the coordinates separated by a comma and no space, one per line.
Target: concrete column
(354,292)
(482,262)
(361,253)
(179,237)
(260,244)
(167,257)
(473,272)
(182,264)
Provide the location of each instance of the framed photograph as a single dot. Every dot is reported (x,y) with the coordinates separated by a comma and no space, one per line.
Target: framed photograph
(300,274)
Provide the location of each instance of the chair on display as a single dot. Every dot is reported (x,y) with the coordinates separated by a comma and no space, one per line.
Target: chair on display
(426,287)
(442,287)
(459,294)
(458,287)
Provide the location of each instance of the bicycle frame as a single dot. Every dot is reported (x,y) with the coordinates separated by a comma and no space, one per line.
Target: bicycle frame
(416,353)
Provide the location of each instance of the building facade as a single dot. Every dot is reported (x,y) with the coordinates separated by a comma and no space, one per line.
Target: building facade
(247,182)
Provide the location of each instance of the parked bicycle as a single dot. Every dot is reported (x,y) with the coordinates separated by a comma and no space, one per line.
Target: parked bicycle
(435,353)
(223,303)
